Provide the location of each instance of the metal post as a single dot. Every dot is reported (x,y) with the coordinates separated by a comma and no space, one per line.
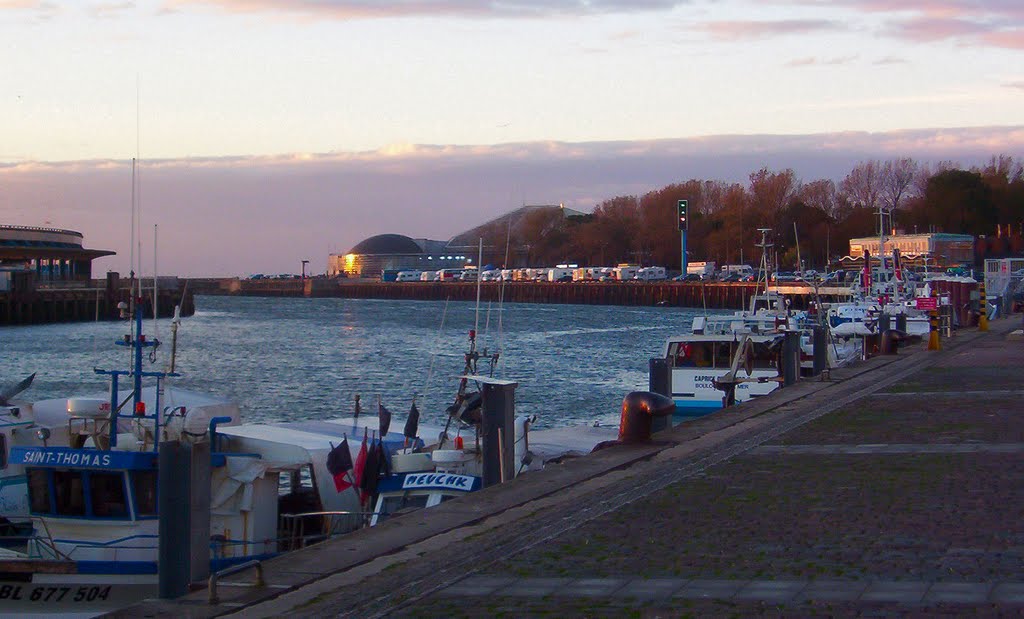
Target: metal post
(933,331)
(820,349)
(497,430)
(883,322)
(901,322)
(983,305)
(199,532)
(791,358)
(174,508)
(660,382)
(682,235)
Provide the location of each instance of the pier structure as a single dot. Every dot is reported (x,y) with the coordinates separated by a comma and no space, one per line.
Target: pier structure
(672,294)
(892,487)
(46,276)
(28,302)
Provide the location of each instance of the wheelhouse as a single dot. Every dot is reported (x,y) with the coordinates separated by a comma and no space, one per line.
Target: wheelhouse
(88,484)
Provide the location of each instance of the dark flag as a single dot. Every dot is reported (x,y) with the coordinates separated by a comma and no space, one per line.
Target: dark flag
(376,466)
(359,470)
(368,481)
(383,420)
(412,424)
(339,463)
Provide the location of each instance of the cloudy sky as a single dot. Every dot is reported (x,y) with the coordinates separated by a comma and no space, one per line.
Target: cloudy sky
(272,131)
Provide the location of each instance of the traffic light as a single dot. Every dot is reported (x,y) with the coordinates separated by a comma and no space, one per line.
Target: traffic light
(683,224)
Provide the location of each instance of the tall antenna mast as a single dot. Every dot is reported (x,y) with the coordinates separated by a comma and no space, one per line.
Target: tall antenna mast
(765,246)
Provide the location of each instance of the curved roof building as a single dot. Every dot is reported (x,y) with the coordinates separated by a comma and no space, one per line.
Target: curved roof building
(392,252)
(395,244)
(53,253)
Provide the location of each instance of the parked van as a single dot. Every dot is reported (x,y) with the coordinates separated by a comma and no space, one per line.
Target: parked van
(429,276)
(743,270)
(409,276)
(706,270)
(625,272)
(559,274)
(449,275)
(651,274)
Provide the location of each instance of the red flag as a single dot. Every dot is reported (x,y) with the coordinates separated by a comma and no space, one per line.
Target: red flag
(360,467)
(339,463)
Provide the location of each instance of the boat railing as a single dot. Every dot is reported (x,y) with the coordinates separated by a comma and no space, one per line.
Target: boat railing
(293,533)
(36,539)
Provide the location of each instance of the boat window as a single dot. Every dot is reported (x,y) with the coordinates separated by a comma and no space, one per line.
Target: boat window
(402,503)
(297,492)
(39,491)
(70,493)
(107,493)
(692,354)
(144,489)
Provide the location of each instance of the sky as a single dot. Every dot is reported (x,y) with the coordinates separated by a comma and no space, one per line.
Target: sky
(274,131)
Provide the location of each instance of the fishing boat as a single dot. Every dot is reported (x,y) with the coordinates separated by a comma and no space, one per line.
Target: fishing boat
(698,360)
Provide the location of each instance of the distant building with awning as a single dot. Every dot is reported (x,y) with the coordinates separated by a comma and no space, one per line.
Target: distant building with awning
(939,248)
(52,254)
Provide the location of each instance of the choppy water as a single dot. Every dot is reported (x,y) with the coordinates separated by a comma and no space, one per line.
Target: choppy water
(293,359)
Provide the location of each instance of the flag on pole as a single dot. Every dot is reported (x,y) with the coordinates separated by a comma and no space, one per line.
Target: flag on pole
(371,473)
(339,463)
(412,424)
(360,466)
(383,419)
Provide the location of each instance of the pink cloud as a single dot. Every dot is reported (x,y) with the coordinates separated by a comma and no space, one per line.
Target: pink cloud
(993,23)
(239,215)
(368,9)
(812,61)
(743,30)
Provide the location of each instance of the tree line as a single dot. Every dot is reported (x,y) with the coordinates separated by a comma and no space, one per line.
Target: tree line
(724,217)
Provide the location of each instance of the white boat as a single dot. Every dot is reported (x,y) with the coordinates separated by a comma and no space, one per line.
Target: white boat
(698,360)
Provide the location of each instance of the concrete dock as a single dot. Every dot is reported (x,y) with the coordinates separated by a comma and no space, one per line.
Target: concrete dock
(895,487)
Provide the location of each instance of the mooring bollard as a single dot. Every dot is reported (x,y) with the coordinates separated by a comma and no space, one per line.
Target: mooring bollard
(890,342)
(983,306)
(639,409)
(933,330)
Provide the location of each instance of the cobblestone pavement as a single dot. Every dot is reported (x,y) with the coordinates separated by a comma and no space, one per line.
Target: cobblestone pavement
(903,502)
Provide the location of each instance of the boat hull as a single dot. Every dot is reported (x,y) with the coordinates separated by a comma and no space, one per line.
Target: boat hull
(67,595)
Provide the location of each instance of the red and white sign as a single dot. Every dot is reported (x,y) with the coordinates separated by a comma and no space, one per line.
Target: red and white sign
(927,303)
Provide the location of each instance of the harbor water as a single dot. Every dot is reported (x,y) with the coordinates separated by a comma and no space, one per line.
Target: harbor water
(289,359)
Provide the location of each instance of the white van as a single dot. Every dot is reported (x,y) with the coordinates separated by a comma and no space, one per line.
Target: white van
(651,274)
(408,276)
(625,273)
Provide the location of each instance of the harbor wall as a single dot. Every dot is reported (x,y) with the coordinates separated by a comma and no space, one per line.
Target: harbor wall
(28,302)
(675,294)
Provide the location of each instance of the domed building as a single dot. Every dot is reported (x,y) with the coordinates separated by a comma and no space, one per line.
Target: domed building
(52,254)
(392,252)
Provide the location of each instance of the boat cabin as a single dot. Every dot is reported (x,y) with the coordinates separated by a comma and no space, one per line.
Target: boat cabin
(717,352)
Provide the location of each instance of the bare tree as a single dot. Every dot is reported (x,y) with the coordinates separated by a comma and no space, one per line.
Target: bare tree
(897,180)
(926,171)
(821,194)
(863,185)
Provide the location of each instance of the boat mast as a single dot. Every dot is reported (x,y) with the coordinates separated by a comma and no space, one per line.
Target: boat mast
(765,246)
